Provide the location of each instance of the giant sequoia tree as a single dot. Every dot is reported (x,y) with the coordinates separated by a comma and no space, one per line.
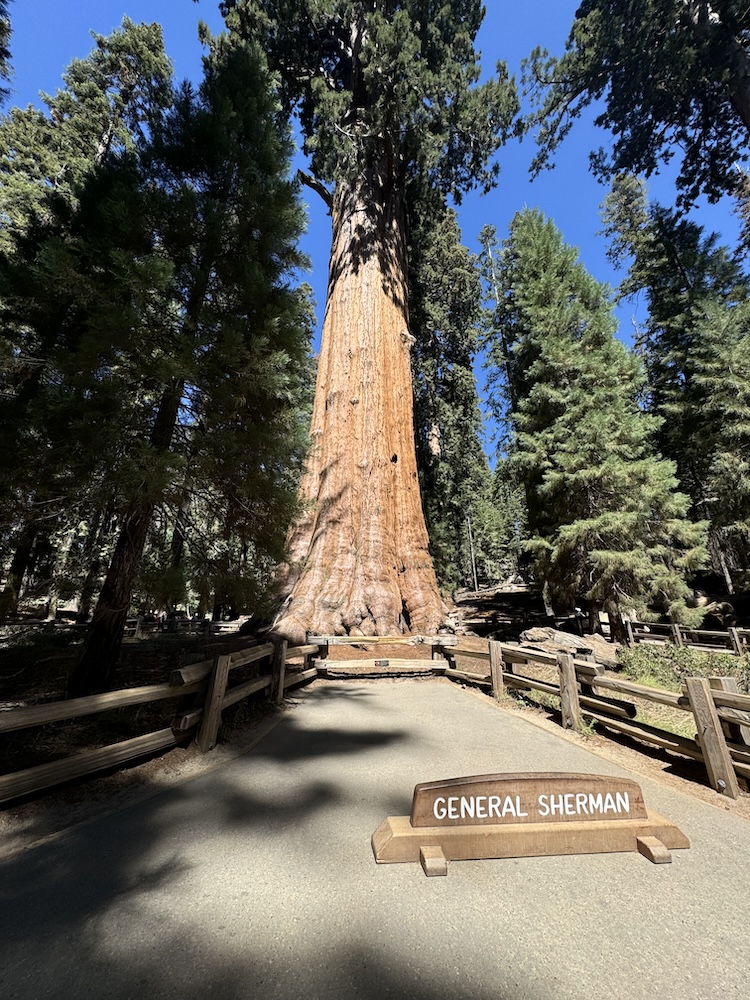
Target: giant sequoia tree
(388,102)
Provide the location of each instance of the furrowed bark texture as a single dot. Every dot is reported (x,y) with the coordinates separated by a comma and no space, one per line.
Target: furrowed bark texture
(359,559)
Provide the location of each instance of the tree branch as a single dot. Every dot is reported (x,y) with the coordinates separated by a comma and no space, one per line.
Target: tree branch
(316,185)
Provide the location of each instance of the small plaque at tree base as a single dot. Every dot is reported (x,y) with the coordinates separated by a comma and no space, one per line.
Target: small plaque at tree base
(524,815)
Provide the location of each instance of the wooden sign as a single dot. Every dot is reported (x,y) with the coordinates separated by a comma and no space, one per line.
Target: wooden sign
(489,799)
(524,815)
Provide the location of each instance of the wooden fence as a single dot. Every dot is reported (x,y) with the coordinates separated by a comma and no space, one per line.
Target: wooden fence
(735,641)
(207,679)
(721,713)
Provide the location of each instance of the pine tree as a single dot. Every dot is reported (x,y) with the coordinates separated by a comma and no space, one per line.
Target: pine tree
(229,363)
(45,158)
(667,78)
(606,523)
(454,475)
(388,99)
(721,368)
(5,35)
(692,287)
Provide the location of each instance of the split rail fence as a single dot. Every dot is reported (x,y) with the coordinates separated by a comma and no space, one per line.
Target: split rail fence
(206,683)
(720,711)
(735,641)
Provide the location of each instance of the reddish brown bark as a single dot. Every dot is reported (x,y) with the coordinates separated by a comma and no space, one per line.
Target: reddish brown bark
(359,559)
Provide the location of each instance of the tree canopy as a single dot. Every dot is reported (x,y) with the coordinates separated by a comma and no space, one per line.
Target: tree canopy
(673,77)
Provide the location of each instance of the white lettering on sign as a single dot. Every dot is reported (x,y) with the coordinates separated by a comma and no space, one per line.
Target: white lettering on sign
(477,807)
(583,804)
(499,806)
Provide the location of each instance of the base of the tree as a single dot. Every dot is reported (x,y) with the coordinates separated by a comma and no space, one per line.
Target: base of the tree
(295,628)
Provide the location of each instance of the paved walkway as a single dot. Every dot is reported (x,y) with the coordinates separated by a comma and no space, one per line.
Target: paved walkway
(257,880)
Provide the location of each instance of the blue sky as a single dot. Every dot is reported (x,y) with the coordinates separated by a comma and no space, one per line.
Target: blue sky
(48,34)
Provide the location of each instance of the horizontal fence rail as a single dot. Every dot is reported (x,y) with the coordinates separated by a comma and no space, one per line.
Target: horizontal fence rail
(209,678)
(735,641)
(720,711)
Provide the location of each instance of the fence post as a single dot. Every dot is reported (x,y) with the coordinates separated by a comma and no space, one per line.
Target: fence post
(496,669)
(569,703)
(279,670)
(710,738)
(734,637)
(677,636)
(212,708)
(738,732)
(629,630)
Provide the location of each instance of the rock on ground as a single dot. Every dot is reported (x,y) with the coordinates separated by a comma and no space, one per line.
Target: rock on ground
(551,640)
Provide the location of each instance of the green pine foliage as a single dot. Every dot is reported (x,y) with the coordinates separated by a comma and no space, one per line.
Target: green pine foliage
(455,478)
(691,344)
(721,375)
(5,35)
(667,78)
(606,523)
(159,336)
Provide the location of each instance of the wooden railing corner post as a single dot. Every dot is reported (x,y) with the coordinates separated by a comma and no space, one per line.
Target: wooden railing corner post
(630,636)
(279,670)
(734,638)
(710,738)
(211,721)
(569,703)
(496,669)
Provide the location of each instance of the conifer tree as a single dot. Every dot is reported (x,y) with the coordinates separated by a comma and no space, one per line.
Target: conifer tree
(45,158)
(606,523)
(667,78)
(5,33)
(230,360)
(167,347)
(692,287)
(388,100)
(721,374)
(455,478)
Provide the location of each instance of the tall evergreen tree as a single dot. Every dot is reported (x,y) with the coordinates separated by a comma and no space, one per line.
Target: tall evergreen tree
(388,99)
(454,475)
(232,354)
(668,78)
(692,286)
(45,158)
(606,523)
(5,34)
(721,374)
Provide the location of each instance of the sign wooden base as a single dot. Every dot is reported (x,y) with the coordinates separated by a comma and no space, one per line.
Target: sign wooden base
(521,830)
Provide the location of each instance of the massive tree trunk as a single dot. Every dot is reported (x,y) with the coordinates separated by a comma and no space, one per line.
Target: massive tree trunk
(359,559)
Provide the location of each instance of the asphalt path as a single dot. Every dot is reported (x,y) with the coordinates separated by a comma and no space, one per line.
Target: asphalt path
(257,880)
